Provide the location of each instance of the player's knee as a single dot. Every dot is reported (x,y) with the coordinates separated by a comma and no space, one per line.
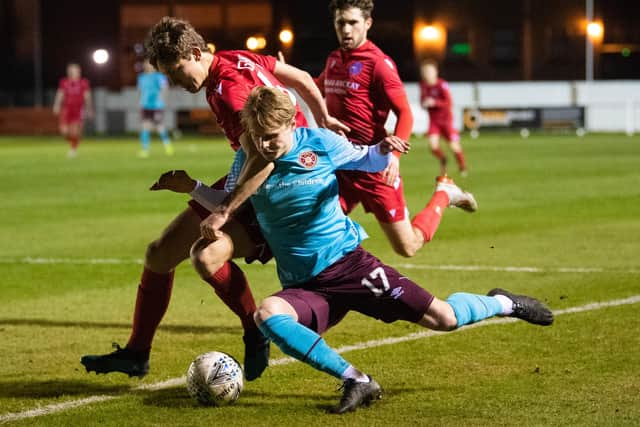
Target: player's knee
(405,251)
(405,248)
(268,307)
(207,258)
(156,254)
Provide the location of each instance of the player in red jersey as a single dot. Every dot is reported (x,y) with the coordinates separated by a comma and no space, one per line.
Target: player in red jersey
(361,85)
(435,97)
(176,49)
(73,95)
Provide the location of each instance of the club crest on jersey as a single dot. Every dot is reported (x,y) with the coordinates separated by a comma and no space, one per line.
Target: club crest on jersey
(308,159)
(355,68)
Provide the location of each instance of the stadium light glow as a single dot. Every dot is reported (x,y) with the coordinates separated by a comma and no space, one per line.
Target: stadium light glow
(256,43)
(429,33)
(286,36)
(100,56)
(595,30)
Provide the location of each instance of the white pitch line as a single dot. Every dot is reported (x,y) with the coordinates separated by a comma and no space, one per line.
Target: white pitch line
(508,269)
(513,269)
(40,260)
(174,382)
(50,409)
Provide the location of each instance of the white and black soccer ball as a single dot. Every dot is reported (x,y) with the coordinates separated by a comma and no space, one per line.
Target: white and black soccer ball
(215,378)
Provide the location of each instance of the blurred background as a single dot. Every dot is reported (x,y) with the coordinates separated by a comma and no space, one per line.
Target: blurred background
(498,54)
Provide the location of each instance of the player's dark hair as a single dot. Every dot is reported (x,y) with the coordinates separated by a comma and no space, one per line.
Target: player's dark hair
(366,6)
(170,40)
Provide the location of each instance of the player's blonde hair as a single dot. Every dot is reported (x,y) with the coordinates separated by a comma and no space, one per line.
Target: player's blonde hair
(170,40)
(267,109)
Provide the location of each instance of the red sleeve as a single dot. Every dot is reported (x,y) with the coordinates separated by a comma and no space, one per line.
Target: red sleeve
(266,61)
(234,95)
(61,84)
(386,74)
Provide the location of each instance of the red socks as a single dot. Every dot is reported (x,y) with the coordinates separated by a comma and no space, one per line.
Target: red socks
(460,158)
(74,140)
(428,219)
(439,154)
(152,301)
(232,287)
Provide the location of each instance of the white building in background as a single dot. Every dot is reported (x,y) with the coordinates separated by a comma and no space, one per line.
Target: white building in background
(610,105)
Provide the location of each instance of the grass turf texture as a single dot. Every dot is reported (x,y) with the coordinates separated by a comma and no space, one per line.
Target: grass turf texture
(548,202)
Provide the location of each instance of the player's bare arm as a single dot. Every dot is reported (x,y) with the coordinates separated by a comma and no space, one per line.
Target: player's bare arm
(57,102)
(255,171)
(303,83)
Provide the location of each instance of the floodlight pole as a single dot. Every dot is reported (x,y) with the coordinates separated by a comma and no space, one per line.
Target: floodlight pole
(589,43)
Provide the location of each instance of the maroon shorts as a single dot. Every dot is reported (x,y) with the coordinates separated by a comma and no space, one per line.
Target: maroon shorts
(386,202)
(359,282)
(155,116)
(245,216)
(446,129)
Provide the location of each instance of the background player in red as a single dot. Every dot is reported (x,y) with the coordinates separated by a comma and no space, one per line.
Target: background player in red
(175,48)
(73,95)
(435,97)
(361,86)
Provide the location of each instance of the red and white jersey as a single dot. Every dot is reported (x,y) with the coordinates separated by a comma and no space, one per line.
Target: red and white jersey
(73,91)
(441,111)
(232,76)
(358,86)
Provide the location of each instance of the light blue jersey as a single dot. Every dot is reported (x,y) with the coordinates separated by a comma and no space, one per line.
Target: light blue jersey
(151,86)
(298,208)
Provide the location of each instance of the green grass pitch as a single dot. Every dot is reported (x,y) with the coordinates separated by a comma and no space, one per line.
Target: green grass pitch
(559,219)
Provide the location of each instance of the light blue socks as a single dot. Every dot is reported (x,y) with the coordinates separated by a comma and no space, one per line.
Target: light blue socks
(298,341)
(145,139)
(471,308)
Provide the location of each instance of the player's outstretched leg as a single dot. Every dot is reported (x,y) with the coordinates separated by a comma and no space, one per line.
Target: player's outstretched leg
(457,197)
(526,308)
(462,308)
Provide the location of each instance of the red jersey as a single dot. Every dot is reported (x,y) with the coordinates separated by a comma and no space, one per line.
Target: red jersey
(232,76)
(441,111)
(73,91)
(361,86)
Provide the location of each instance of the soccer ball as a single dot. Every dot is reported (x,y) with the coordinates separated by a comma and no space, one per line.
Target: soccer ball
(214,378)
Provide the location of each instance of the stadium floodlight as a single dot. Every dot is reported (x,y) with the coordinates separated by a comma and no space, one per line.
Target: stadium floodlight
(256,43)
(595,30)
(100,56)
(429,33)
(286,36)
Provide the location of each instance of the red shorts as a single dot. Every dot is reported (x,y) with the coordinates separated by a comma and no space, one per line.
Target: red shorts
(246,216)
(357,282)
(386,202)
(445,129)
(70,115)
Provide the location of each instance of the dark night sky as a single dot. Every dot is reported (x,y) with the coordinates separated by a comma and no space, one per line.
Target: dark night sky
(72,29)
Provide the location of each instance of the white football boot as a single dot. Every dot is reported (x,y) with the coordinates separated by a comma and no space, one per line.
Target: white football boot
(457,197)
